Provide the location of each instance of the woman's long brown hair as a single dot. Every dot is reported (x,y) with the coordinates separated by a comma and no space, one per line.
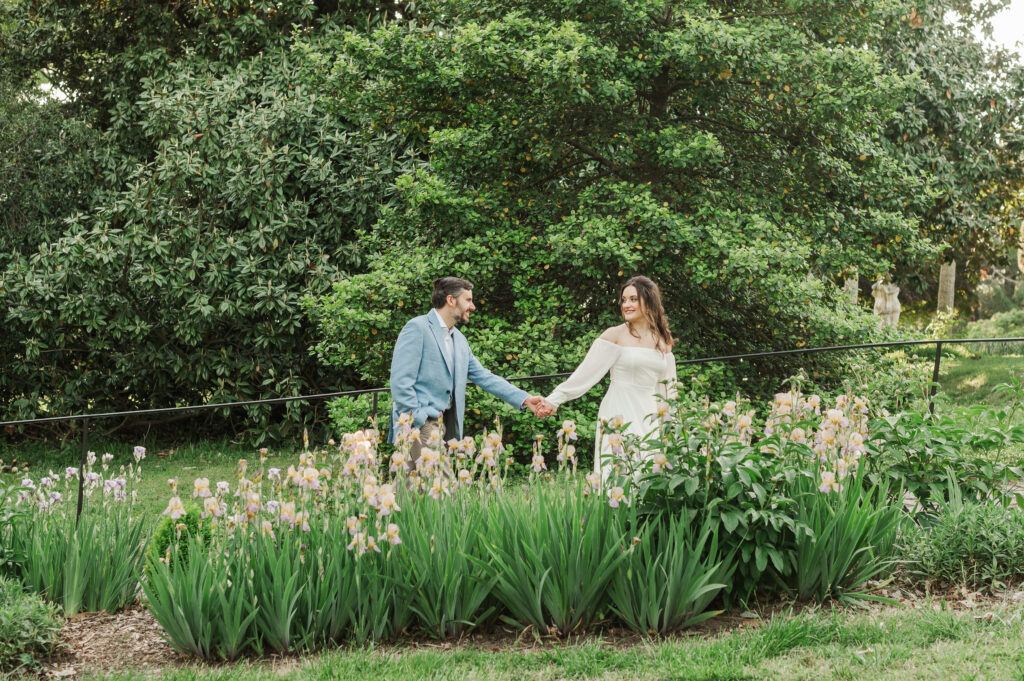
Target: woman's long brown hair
(653,310)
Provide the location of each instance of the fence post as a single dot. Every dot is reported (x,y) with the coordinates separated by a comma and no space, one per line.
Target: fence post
(935,377)
(81,467)
(374,406)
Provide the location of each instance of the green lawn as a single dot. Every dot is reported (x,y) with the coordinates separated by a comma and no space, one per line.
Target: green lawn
(970,378)
(903,644)
(213,460)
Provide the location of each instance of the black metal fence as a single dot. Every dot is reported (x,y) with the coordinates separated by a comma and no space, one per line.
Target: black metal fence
(86,418)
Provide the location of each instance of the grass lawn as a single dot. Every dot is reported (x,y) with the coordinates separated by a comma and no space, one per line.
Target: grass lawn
(213,460)
(887,644)
(970,379)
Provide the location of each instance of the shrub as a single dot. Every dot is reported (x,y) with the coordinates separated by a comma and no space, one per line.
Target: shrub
(716,463)
(167,533)
(931,455)
(1002,324)
(349,414)
(144,316)
(28,627)
(980,545)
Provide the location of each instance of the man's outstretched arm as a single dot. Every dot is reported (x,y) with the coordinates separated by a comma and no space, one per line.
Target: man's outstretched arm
(498,386)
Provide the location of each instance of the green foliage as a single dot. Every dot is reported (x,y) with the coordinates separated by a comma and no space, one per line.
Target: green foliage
(961,128)
(1008,324)
(977,544)
(28,628)
(185,595)
(284,592)
(671,574)
(891,379)
(167,535)
(45,168)
(10,519)
(929,454)
(349,414)
(732,159)
(46,175)
(90,567)
(552,554)
(440,550)
(845,539)
(729,484)
(230,190)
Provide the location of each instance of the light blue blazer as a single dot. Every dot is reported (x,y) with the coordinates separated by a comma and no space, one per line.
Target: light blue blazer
(422,379)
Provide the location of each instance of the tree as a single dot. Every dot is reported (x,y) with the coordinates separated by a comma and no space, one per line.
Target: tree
(963,128)
(232,188)
(732,152)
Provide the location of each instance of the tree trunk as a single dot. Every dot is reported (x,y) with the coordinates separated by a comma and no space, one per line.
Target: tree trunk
(947,279)
(1020,267)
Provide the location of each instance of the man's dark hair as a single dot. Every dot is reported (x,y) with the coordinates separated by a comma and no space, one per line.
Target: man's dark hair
(448,286)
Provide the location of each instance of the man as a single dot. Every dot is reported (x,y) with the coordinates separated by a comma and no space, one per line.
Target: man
(432,362)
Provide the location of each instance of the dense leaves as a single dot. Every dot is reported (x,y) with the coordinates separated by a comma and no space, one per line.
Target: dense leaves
(734,156)
(231,190)
(216,163)
(962,129)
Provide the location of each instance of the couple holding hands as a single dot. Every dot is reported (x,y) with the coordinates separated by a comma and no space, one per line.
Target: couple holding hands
(432,363)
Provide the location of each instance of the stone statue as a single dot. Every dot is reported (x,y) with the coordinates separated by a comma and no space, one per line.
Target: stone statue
(887,302)
(851,287)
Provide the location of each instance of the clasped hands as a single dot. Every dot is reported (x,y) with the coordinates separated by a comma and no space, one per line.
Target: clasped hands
(540,407)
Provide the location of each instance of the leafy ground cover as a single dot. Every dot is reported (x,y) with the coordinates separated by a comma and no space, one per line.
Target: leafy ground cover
(28,628)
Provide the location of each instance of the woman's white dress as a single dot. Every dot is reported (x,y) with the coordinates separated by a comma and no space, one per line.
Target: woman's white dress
(640,377)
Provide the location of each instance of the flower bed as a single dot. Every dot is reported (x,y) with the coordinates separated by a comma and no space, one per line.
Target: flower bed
(352,545)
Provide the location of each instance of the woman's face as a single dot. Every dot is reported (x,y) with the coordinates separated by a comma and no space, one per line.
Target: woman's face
(632,307)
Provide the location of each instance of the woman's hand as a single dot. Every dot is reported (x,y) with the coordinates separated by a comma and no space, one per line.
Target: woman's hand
(546,409)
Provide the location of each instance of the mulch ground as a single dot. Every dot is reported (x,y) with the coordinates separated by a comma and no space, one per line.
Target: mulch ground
(132,640)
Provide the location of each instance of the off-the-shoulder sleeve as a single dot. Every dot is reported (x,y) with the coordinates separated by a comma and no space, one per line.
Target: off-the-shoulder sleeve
(595,365)
(668,381)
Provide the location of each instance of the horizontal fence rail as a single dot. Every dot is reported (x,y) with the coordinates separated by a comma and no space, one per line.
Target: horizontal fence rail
(519,379)
(86,418)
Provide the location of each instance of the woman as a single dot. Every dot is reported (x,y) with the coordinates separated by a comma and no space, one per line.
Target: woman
(638,353)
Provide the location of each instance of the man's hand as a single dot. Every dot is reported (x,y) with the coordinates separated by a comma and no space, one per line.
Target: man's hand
(535,403)
(546,409)
(540,407)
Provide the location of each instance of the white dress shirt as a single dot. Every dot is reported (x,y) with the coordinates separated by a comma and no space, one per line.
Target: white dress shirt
(449,344)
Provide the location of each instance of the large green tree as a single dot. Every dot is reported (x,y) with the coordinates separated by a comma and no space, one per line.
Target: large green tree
(232,187)
(731,151)
(962,128)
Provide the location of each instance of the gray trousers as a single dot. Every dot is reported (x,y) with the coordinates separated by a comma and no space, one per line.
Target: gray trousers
(429,427)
